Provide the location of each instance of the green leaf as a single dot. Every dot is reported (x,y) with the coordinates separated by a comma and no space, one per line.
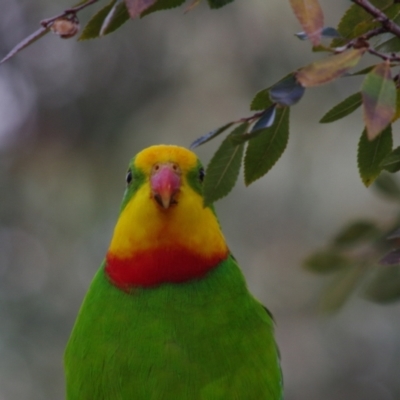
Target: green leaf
(357,21)
(391,162)
(343,109)
(266,120)
(115,18)
(390,46)
(363,71)
(357,232)
(397,113)
(342,288)
(261,100)
(379,99)
(162,5)
(324,262)
(210,135)
(372,153)
(223,169)
(265,150)
(388,186)
(218,3)
(95,24)
(329,68)
(384,286)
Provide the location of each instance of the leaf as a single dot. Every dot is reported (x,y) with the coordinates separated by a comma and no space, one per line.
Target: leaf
(287,92)
(261,100)
(363,71)
(397,113)
(385,286)
(386,185)
(379,99)
(343,109)
(372,153)
(137,7)
(115,18)
(342,288)
(356,233)
(327,32)
(311,18)
(211,135)
(390,46)
(95,24)
(265,121)
(25,43)
(218,3)
(391,162)
(162,5)
(265,150)
(322,48)
(223,169)
(325,262)
(329,68)
(349,25)
(392,258)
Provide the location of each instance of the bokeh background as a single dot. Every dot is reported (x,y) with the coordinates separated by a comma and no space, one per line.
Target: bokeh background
(73,113)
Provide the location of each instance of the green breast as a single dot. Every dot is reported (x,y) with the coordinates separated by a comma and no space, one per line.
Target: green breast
(202,340)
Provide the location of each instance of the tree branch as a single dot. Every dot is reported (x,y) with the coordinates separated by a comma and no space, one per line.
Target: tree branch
(46,23)
(379,16)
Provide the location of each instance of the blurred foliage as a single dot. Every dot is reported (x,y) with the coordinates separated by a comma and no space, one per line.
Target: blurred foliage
(258,141)
(354,257)
(367,27)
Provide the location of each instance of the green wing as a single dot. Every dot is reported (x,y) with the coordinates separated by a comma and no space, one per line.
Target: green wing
(207,339)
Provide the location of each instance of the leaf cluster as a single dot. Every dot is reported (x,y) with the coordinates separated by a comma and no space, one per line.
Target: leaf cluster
(353,258)
(258,141)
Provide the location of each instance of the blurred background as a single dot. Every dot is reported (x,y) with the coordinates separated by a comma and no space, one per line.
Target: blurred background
(72,114)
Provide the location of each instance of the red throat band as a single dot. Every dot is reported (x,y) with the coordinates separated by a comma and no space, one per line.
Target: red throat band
(153,267)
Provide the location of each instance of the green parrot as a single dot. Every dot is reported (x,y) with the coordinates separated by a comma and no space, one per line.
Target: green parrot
(169,316)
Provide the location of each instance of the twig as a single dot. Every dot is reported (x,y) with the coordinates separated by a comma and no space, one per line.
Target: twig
(46,23)
(392,57)
(251,118)
(379,16)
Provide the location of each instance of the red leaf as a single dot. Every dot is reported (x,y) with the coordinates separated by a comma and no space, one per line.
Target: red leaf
(311,18)
(136,7)
(379,99)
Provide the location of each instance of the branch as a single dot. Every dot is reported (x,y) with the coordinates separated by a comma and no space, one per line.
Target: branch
(46,23)
(51,24)
(379,16)
(392,57)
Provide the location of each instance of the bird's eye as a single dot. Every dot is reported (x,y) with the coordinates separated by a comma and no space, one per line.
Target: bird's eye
(129,177)
(201,174)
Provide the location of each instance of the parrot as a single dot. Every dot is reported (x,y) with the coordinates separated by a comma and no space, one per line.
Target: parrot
(169,316)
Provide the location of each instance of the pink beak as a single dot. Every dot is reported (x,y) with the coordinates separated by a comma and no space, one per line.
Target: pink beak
(165,183)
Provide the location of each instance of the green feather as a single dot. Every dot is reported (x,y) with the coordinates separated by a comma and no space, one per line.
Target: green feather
(206,339)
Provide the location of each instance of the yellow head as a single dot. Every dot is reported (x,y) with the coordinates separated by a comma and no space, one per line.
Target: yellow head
(164,232)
